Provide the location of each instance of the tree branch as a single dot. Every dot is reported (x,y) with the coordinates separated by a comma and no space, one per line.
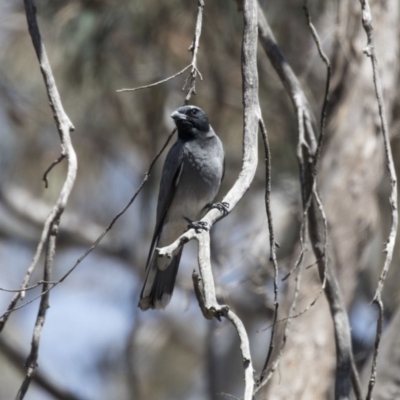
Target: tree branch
(389,247)
(309,149)
(272,245)
(155,83)
(251,117)
(205,292)
(194,48)
(190,81)
(266,378)
(31,362)
(50,230)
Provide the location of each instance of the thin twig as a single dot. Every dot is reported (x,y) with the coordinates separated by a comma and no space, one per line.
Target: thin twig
(271,245)
(318,235)
(355,379)
(308,149)
(31,361)
(326,61)
(190,81)
(155,83)
(194,48)
(389,247)
(302,236)
(51,166)
(300,313)
(275,364)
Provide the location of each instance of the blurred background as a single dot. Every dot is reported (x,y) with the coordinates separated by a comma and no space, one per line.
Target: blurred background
(96,344)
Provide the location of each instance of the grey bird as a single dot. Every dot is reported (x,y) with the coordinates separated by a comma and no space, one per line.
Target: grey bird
(191,177)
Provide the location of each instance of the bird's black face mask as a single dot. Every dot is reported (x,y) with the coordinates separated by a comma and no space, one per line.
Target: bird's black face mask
(191,122)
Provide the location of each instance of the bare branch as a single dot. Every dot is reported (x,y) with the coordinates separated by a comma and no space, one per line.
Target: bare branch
(155,83)
(276,362)
(51,166)
(50,230)
(326,61)
(389,247)
(31,361)
(318,235)
(194,48)
(64,127)
(190,81)
(272,245)
(288,78)
(309,148)
(251,116)
(205,293)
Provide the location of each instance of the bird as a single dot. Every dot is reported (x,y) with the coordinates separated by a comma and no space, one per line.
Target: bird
(191,177)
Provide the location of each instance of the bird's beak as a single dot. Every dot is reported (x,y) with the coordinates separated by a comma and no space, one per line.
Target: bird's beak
(177,116)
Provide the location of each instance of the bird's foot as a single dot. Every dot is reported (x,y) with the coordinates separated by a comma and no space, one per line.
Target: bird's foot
(222,206)
(198,226)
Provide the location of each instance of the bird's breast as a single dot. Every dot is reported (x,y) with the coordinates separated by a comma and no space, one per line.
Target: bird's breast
(198,184)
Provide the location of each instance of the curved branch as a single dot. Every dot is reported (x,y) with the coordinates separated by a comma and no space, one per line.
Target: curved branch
(272,246)
(50,230)
(251,117)
(64,127)
(205,293)
(389,248)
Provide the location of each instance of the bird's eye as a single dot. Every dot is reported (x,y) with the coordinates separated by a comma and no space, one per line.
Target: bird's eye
(194,111)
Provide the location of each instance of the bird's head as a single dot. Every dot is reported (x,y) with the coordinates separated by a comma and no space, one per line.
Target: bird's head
(191,122)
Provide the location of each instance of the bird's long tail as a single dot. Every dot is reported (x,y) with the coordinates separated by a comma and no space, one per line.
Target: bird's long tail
(159,285)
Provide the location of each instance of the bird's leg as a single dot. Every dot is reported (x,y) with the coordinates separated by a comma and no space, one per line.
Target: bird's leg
(198,226)
(221,206)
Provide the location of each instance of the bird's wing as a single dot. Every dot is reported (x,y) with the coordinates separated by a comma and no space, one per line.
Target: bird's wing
(171,174)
